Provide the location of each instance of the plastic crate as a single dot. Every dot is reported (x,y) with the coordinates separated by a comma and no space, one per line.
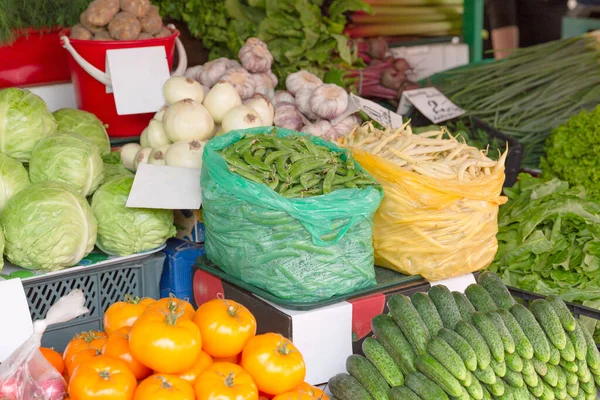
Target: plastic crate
(102,287)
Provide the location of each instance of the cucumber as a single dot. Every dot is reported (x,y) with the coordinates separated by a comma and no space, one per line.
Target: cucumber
(367,375)
(393,341)
(572,378)
(497,289)
(497,389)
(579,342)
(499,368)
(514,379)
(548,392)
(560,394)
(531,380)
(475,389)
(522,344)
(573,390)
(464,395)
(583,372)
(424,387)
(445,304)
(486,375)
(521,393)
(514,362)
(485,326)
(461,346)
(533,331)
(403,393)
(570,366)
(477,343)
(588,387)
(580,396)
(445,355)
(480,298)
(568,353)
(537,391)
(464,305)
(541,368)
(567,319)
(592,356)
(562,379)
(507,339)
(408,319)
(486,393)
(435,371)
(343,386)
(428,312)
(548,319)
(382,360)
(551,377)
(554,356)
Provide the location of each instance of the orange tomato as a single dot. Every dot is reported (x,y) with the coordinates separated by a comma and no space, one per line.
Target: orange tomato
(174,305)
(202,363)
(102,378)
(166,342)
(304,391)
(117,346)
(85,341)
(53,358)
(125,313)
(225,326)
(164,387)
(80,357)
(274,363)
(233,359)
(225,381)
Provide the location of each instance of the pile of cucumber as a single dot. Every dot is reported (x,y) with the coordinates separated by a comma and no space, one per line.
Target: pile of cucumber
(478,345)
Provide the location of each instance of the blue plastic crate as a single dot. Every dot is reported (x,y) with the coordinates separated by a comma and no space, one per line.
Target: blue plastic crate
(177,272)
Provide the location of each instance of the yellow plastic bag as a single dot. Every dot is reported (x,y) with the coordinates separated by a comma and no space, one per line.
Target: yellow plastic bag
(431,227)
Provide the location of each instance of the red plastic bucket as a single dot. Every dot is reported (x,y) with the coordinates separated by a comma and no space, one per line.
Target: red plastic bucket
(87,64)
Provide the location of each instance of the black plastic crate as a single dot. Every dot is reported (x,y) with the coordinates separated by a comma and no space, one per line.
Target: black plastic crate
(515,149)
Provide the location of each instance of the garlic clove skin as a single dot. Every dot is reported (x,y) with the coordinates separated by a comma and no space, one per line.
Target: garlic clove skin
(241,80)
(282,96)
(302,79)
(233,64)
(319,128)
(288,116)
(194,72)
(329,101)
(212,71)
(255,56)
(220,99)
(273,77)
(303,103)
(263,107)
(241,117)
(178,88)
(263,85)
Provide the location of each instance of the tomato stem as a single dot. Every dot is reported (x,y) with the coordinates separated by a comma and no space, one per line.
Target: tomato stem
(104,375)
(165,383)
(283,349)
(229,380)
(129,298)
(171,317)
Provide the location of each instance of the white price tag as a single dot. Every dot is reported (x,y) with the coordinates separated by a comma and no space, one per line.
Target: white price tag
(380,114)
(458,284)
(431,103)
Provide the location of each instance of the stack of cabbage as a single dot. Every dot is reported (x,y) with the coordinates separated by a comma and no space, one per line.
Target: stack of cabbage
(47,222)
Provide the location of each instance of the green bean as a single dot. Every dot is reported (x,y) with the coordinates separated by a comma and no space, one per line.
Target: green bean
(253,162)
(350,185)
(258,154)
(293,192)
(329,177)
(343,179)
(312,183)
(269,159)
(302,156)
(363,181)
(236,162)
(300,167)
(310,146)
(304,178)
(282,168)
(243,144)
(247,175)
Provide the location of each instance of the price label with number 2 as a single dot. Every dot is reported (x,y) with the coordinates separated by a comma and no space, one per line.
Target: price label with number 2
(431,103)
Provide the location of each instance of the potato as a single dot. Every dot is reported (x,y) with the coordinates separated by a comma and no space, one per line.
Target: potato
(79,32)
(164,32)
(139,8)
(151,22)
(124,26)
(144,36)
(103,35)
(101,12)
(85,22)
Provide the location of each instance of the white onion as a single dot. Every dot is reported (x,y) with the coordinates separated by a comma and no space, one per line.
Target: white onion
(178,88)
(159,115)
(283,96)
(157,157)
(241,117)
(263,108)
(220,99)
(144,138)
(155,135)
(128,153)
(141,157)
(185,154)
(188,120)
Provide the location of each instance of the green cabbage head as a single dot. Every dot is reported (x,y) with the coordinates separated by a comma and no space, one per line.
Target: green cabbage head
(84,123)
(68,158)
(24,121)
(1,249)
(48,226)
(13,178)
(123,231)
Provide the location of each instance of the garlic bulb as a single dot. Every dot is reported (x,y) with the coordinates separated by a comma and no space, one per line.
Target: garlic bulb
(282,96)
(319,128)
(188,120)
(303,103)
(264,85)
(263,107)
(220,99)
(287,116)
(302,79)
(241,80)
(344,127)
(329,101)
(233,64)
(212,71)
(273,78)
(255,56)
(194,72)
(240,117)
(177,88)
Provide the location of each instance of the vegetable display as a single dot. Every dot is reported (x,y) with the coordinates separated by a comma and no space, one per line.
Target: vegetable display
(85,124)
(493,348)
(531,92)
(570,152)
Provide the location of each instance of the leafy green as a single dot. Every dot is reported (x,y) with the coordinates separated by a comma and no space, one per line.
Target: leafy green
(549,240)
(572,152)
(84,123)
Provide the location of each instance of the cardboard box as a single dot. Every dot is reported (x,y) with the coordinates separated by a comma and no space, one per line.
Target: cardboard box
(325,336)
(189,225)
(180,259)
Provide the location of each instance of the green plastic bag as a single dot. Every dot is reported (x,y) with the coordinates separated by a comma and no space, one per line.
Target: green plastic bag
(301,250)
